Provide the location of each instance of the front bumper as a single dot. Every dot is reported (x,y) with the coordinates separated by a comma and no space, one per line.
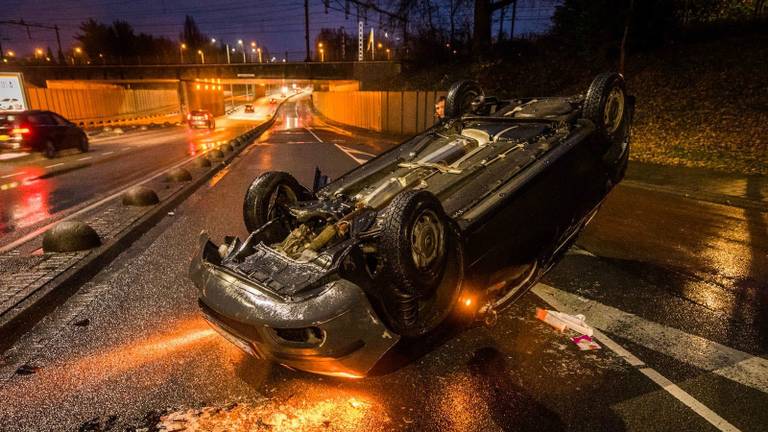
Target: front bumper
(335,332)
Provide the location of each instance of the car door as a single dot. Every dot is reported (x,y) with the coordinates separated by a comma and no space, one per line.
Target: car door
(70,134)
(43,130)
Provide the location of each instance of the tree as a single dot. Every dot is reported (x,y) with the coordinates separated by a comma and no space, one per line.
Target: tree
(484,9)
(192,36)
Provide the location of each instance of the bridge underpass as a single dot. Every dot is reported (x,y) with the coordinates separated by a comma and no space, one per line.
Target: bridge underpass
(365,72)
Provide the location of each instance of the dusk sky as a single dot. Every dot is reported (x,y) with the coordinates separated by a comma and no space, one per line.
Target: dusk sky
(278,25)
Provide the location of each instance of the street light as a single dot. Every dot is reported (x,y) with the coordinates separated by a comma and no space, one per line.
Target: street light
(259,51)
(388,57)
(322,55)
(242,48)
(202,56)
(182,47)
(77,52)
(11,53)
(213,40)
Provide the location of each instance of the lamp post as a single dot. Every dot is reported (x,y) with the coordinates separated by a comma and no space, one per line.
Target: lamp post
(227,48)
(321,50)
(242,48)
(258,50)
(182,47)
(202,56)
(77,52)
(388,56)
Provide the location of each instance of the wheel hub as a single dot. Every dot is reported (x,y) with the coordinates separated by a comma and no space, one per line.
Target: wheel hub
(614,110)
(427,240)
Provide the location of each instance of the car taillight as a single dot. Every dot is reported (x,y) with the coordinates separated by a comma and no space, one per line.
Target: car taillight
(19,131)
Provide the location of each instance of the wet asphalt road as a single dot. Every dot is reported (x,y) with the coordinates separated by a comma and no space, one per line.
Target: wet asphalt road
(678,283)
(35,191)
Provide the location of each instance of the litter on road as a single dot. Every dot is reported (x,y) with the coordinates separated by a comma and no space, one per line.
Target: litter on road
(585,343)
(561,321)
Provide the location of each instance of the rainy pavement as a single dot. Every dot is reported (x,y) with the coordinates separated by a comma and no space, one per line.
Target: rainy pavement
(35,191)
(677,286)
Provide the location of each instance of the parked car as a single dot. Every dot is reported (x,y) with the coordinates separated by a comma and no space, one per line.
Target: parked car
(201,119)
(40,131)
(249,108)
(457,222)
(10,104)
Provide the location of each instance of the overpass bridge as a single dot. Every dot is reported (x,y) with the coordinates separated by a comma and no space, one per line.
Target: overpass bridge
(365,72)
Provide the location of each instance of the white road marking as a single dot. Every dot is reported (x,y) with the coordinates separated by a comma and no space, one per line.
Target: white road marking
(603,317)
(702,353)
(55,165)
(12,245)
(313,134)
(107,153)
(575,250)
(85,158)
(12,175)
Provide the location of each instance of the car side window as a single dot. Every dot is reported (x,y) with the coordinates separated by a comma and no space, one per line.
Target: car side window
(41,119)
(61,121)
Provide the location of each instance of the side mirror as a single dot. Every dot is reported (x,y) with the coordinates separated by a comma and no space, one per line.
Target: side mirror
(320,180)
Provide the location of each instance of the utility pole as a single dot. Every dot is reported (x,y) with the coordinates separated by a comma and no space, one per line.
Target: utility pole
(514,17)
(58,42)
(306,29)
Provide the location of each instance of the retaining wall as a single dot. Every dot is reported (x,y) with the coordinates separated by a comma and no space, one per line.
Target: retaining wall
(402,112)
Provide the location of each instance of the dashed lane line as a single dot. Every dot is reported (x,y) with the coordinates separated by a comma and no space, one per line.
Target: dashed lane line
(85,158)
(107,153)
(12,175)
(18,242)
(569,303)
(55,165)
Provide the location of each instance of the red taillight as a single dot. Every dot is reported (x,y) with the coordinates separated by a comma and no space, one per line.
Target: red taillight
(20,131)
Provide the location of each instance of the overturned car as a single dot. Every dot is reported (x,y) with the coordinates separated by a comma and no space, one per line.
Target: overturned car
(456,222)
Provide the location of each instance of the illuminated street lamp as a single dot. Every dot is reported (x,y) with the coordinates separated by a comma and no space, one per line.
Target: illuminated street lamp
(242,48)
(11,53)
(213,40)
(77,52)
(259,51)
(38,52)
(321,50)
(202,56)
(182,47)
(388,56)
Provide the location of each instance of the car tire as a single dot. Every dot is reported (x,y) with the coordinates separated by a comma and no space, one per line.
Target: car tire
(460,97)
(49,150)
(83,145)
(422,257)
(266,197)
(605,104)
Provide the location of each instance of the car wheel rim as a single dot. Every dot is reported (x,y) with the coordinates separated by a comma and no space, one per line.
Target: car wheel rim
(280,198)
(614,110)
(427,240)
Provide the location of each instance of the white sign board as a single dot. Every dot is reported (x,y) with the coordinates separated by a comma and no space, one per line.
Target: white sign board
(12,95)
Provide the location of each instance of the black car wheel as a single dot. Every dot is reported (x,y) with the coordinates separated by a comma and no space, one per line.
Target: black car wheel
(49,149)
(606,104)
(83,144)
(267,199)
(460,97)
(422,257)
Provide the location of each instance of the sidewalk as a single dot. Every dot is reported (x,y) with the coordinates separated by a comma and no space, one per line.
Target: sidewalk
(748,191)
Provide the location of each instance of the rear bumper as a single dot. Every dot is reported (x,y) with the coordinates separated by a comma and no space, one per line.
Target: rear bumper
(335,332)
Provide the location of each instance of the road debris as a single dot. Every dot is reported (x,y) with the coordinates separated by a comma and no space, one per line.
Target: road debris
(561,321)
(585,343)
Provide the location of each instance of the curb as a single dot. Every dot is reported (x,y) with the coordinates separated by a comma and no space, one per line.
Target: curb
(697,195)
(25,315)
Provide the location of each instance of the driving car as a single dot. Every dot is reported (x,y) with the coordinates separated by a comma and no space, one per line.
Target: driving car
(451,226)
(248,108)
(201,119)
(40,131)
